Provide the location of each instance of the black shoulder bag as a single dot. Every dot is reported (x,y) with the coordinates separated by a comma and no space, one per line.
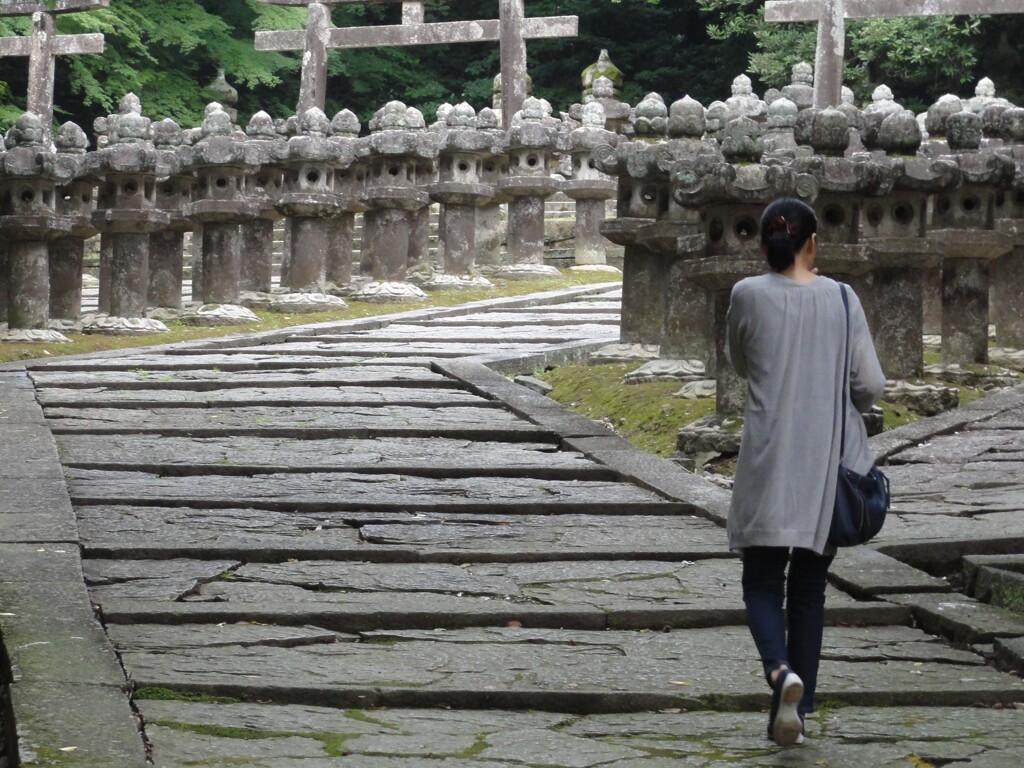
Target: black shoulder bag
(861,500)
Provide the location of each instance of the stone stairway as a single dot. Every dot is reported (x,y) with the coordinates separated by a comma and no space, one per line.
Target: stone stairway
(359,544)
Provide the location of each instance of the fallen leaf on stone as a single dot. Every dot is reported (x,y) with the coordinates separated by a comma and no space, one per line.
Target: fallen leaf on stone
(68,749)
(514,624)
(679,682)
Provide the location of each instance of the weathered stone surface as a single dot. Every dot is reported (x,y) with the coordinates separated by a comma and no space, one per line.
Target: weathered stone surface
(407,349)
(150,579)
(280,397)
(533,316)
(866,573)
(201,380)
(988,445)
(468,334)
(390,421)
(352,491)
(196,360)
(156,637)
(226,455)
(888,737)
(960,618)
(531,668)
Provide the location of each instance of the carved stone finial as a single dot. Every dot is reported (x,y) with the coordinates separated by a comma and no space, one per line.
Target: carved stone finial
(71,139)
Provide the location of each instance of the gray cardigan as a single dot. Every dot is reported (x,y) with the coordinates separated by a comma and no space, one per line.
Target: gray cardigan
(787,340)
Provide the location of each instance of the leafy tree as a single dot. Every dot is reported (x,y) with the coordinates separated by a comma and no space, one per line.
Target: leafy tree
(919,58)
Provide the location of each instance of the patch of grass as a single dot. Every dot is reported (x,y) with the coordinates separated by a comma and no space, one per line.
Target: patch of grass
(226,731)
(896,415)
(166,694)
(644,414)
(272,321)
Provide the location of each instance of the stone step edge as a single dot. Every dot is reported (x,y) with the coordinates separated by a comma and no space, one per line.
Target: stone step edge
(575,702)
(380,617)
(46,708)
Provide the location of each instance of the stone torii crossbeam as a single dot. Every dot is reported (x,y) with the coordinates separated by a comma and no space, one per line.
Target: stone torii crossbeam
(43,46)
(512,29)
(831,16)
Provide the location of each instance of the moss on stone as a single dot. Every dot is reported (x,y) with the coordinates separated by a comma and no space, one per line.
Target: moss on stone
(167,694)
(644,414)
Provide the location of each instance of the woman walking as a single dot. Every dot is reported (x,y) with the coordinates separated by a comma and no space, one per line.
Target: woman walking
(787,335)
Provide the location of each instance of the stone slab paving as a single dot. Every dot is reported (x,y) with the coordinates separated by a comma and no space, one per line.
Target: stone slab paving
(217,379)
(312,736)
(247,455)
(372,550)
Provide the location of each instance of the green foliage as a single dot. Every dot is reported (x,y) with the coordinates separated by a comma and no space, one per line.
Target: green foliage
(168,51)
(919,58)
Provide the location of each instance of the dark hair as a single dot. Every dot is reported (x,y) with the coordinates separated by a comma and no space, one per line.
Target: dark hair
(786,225)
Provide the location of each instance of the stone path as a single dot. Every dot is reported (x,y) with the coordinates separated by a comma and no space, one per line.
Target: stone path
(357,545)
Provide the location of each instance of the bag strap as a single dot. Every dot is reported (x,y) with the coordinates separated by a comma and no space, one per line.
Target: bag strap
(846,376)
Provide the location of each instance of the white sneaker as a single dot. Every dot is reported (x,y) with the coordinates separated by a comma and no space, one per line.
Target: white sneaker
(786,726)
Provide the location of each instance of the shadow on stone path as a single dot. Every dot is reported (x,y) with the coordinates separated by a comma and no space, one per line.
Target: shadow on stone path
(357,545)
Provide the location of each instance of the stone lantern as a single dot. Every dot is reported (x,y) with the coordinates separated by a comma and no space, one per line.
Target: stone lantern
(1008,270)
(76,201)
(219,206)
(349,181)
(801,90)
(262,186)
(588,187)
(29,176)
(935,123)
(744,102)
(309,200)
(460,191)
(531,146)
(963,225)
(392,197)
(894,228)
(675,237)
(843,185)
(731,196)
(173,196)
(641,195)
(127,214)
(490,219)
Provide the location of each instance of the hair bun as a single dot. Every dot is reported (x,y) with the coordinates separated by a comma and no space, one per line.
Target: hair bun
(779,224)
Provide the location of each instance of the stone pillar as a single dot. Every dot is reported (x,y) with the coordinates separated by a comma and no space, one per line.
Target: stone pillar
(730,389)
(167,246)
(103,292)
(310,201)
(263,185)
(898,331)
(29,174)
(588,186)
(965,284)
(419,237)
(75,201)
(531,142)
(4,266)
(395,149)
(221,162)
(66,258)
(1008,310)
(257,268)
(127,214)
(932,301)
(129,274)
(166,268)
(460,191)
(29,288)
(341,251)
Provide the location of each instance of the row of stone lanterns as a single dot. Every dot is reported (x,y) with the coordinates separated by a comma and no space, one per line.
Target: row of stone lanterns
(150,184)
(690,192)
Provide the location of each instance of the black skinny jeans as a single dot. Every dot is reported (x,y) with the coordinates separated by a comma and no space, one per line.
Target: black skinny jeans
(764,588)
